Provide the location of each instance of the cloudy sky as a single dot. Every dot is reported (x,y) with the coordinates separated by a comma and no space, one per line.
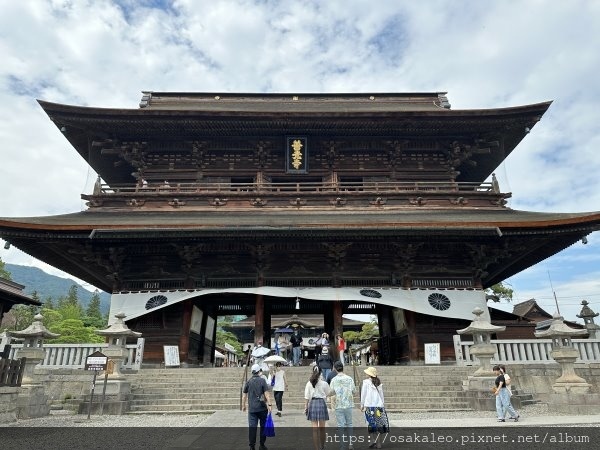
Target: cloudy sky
(485,54)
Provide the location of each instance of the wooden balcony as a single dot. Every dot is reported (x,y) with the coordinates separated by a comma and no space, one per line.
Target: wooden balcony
(298,194)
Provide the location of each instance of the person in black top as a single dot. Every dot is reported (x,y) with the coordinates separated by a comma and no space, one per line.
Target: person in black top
(325,362)
(296,341)
(255,390)
(503,404)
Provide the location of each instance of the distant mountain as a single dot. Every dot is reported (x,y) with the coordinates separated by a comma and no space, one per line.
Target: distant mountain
(46,285)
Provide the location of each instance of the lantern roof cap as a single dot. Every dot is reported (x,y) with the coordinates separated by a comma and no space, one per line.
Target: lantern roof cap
(36,329)
(480,325)
(559,328)
(119,328)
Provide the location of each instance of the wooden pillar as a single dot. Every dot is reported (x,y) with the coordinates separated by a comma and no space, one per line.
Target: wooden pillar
(184,338)
(338,327)
(259,319)
(267,324)
(413,339)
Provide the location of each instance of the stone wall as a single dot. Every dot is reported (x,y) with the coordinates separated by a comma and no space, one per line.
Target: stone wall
(537,379)
(62,385)
(8,404)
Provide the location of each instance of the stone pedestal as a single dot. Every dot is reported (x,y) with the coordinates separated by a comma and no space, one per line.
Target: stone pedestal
(479,394)
(572,402)
(32,402)
(34,355)
(8,403)
(569,381)
(116,400)
(117,355)
(484,353)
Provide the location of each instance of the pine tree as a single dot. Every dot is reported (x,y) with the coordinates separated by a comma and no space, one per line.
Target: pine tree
(93,315)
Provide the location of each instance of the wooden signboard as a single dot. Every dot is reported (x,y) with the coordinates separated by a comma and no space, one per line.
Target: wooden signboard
(171,353)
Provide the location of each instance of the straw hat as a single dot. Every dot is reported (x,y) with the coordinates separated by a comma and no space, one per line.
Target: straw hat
(371,371)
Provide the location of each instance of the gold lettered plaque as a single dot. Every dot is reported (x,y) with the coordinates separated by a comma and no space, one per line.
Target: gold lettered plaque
(296,155)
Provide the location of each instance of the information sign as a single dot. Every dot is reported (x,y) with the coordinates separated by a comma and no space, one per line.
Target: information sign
(432,354)
(171,355)
(96,361)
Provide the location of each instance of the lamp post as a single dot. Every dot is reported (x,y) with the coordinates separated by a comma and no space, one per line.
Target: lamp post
(482,348)
(116,338)
(33,345)
(588,319)
(564,354)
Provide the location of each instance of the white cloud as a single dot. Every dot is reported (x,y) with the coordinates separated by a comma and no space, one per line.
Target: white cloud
(485,53)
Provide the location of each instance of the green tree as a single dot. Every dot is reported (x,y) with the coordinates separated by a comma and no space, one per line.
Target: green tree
(22,317)
(73,331)
(499,292)
(49,303)
(368,332)
(93,315)
(69,306)
(224,336)
(3,272)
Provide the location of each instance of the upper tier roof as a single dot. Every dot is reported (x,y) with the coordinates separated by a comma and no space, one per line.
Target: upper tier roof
(218,117)
(294,103)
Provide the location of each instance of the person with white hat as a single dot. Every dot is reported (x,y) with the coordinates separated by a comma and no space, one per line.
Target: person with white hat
(372,404)
(257,399)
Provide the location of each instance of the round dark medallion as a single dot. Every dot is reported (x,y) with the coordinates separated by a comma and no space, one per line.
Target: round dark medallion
(439,301)
(155,301)
(370,293)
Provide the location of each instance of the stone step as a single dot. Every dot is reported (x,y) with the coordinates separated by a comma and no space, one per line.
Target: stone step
(407,388)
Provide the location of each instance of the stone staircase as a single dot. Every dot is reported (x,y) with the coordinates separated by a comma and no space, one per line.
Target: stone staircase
(205,390)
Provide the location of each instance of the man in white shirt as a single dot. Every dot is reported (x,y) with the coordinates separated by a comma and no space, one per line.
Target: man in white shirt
(342,391)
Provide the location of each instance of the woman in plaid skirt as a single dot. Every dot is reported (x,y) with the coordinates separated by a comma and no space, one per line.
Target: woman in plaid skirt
(371,403)
(315,408)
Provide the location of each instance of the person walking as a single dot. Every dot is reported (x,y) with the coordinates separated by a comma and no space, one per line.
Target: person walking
(372,404)
(296,341)
(341,347)
(280,385)
(315,407)
(342,399)
(325,362)
(503,404)
(256,399)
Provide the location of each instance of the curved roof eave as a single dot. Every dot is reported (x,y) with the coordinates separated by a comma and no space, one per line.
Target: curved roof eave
(265,109)
(221,221)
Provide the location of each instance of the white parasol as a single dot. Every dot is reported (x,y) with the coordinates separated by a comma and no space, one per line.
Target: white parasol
(275,359)
(260,352)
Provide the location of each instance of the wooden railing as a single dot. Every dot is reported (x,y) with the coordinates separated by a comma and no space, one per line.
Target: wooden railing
(11,371)
(524,351)
(372,187)
(74,355)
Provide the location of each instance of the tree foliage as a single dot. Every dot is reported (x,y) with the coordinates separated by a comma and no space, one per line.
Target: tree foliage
(3,272)
(224,336)
(499,292)
(65,317)
(368,332)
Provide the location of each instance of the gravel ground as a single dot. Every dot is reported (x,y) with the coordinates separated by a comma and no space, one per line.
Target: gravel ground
(67,419)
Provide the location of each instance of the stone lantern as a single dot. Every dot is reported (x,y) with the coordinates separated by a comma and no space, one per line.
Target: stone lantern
(564,354)
(116,337)
(482,347)
(33,340)
(588,319)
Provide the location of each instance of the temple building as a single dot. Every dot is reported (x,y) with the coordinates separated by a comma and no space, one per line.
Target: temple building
(211,204)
